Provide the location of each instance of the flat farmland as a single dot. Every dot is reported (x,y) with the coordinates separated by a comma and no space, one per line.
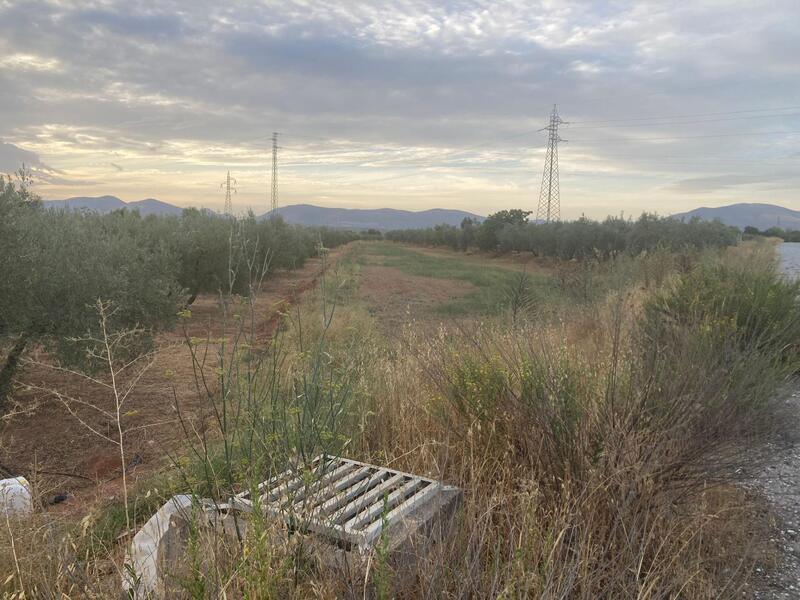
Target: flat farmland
(400,283)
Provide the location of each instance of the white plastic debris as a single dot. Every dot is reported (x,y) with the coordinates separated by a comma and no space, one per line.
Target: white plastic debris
(15,497)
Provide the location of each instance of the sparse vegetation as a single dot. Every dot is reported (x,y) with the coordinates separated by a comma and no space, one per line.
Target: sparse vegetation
(491,284)
(590,409)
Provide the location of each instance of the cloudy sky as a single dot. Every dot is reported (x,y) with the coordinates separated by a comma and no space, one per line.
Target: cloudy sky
(405,104)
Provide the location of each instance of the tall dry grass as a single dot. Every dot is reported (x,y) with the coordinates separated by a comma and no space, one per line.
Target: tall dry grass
(595,453)
(602,468)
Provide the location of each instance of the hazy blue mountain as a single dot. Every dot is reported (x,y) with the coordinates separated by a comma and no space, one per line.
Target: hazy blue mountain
(377,218)
(97,203)
(762,216)
(151,206)
(104,204)
(300,214)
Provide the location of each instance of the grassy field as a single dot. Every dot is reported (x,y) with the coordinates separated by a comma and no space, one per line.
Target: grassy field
(585,431)
(491,285)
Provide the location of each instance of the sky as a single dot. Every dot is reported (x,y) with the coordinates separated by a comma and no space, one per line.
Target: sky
(405,104)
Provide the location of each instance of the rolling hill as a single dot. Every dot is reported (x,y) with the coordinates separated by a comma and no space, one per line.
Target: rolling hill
(762,216)
(298,214)
(378,218)
(104,204)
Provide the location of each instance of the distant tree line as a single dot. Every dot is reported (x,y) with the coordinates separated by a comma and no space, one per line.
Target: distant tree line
(787,235)
(510,230)
(55,265)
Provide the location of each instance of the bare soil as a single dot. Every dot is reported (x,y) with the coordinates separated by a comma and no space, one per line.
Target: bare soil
(396,298)
(60,455)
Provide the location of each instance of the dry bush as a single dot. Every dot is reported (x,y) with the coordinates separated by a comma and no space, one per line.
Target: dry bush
(593,470)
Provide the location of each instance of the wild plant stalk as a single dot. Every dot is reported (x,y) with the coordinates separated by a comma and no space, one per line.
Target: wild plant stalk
(221,394)
(110,350)
(18,571)
(520,296)
(275,403)
(250,399)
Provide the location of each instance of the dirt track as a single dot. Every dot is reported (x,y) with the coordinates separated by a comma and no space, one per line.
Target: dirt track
(46,439)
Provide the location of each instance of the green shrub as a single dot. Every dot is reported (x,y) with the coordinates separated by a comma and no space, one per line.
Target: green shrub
(554,394)
(753,303)
(477,387)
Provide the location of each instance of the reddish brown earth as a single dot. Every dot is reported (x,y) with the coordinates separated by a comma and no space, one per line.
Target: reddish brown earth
(60,455)
(396,298)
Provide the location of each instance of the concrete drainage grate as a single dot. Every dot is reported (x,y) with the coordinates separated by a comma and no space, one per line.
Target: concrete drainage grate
(346,501)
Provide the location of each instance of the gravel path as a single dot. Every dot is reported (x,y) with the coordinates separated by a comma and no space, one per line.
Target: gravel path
(779,481)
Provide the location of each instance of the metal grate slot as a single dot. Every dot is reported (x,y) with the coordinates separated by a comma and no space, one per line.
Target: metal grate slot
(372,530)
(364,501)
(284,493)
(376,508)
(324,480)
(344,489)
(274,483)
(346,501)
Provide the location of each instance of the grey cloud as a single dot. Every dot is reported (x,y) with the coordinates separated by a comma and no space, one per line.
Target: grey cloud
(714,183)
(60,180)
(121,21)
(13,157)
(137,75)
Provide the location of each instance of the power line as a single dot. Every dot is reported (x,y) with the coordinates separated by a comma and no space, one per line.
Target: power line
(549,208)
(551,156)
(455,153)
(488,143)
(403,162)
(689,116)
(690,137)
(661,123)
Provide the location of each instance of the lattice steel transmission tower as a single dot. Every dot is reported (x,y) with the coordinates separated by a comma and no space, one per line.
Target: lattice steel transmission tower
(274,197)
(229,189)
(549,208)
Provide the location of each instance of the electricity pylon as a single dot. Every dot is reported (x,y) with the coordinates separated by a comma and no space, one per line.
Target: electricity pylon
(228,190)
(274,198)
(549,208)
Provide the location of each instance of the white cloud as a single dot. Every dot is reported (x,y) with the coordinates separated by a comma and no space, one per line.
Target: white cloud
(29,62)
(391,97)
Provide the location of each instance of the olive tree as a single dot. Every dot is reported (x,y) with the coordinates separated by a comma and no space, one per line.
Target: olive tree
(57,264)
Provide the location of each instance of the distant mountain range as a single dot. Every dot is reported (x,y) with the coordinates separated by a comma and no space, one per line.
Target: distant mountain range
(762,216)
(300,214)
(374,218)
(104,204)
